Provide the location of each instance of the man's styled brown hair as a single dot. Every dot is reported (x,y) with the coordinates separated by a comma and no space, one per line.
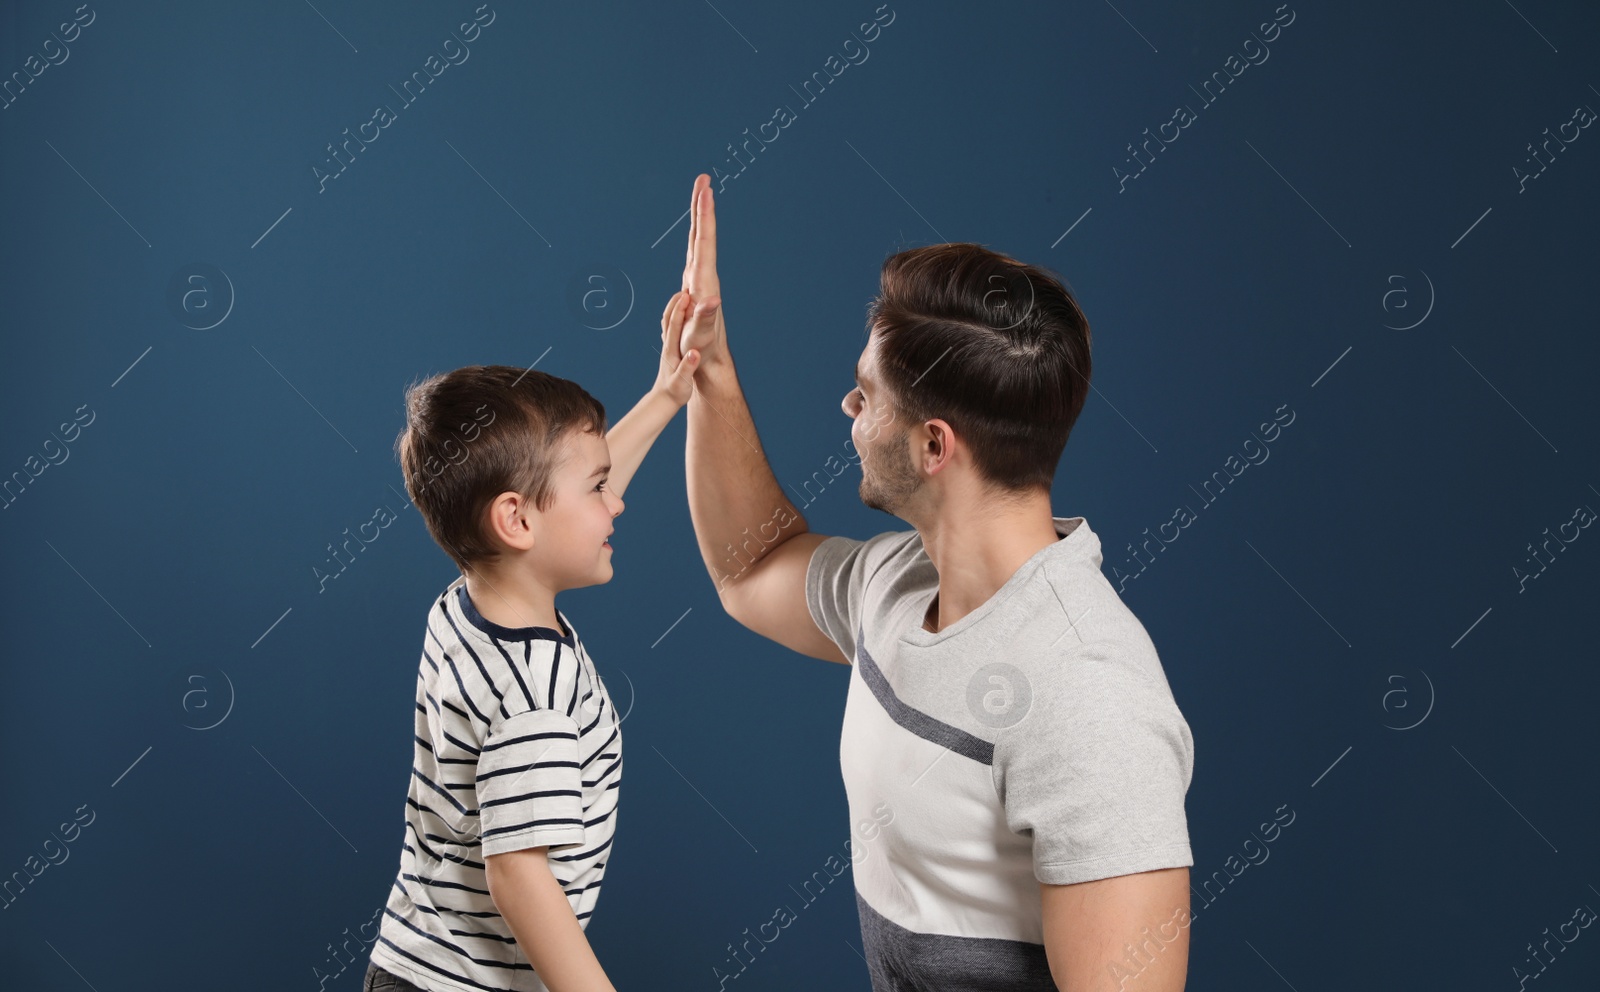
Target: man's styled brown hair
(996,347)
(480,431)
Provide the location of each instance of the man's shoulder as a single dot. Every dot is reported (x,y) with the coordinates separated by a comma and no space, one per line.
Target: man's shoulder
(867,556)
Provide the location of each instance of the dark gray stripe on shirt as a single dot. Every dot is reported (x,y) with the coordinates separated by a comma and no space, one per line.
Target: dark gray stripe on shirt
(919,723)
(901,960)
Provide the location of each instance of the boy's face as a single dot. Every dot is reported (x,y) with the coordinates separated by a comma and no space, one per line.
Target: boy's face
(572,549)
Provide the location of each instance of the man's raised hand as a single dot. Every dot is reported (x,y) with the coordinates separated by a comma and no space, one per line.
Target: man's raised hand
(704,330)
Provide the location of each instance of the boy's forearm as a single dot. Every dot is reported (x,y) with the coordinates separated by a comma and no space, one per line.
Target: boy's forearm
(531,901)
(739,510)
(631,437)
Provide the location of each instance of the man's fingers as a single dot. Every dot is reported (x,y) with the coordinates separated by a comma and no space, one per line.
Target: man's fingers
(705,242)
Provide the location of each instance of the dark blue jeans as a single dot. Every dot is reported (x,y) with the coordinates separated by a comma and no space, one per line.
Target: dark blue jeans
(378,980)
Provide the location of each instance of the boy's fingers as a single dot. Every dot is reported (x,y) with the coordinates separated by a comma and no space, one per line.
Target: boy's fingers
(694,227)
(666,313)
(672,329)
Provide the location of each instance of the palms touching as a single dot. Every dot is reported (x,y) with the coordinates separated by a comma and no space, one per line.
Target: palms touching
(704,330)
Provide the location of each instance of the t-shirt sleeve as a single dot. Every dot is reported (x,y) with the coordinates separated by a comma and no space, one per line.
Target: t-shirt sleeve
(530,784)
(836,582)
(1096,770)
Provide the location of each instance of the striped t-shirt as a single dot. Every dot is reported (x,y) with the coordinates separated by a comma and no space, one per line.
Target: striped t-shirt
(1034,740)
(517,746)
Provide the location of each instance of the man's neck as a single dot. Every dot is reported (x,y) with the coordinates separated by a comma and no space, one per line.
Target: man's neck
(512,600)
(977,553)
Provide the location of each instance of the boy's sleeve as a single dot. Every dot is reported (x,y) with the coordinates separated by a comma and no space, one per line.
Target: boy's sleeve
(530,784)
(836,581)
(1096,771)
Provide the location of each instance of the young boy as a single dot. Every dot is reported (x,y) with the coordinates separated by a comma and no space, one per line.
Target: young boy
(518,754)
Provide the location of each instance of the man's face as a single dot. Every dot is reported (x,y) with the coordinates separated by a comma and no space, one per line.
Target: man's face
(572,549)
(888,475)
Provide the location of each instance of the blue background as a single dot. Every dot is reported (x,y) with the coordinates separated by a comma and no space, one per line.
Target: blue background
(1358,181)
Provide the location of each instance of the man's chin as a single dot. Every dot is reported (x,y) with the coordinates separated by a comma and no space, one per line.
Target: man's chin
(873,501)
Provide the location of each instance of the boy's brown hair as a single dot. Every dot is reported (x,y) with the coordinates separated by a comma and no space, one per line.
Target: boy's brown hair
(480,431)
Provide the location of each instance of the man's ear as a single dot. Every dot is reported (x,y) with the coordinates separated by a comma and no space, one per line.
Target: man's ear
(938,449)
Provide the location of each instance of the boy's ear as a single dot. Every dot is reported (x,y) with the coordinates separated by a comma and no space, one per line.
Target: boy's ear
(513,521)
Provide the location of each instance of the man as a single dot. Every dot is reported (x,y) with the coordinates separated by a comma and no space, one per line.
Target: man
(1005,709)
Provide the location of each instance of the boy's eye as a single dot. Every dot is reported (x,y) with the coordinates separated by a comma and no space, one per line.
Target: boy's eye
(600,485)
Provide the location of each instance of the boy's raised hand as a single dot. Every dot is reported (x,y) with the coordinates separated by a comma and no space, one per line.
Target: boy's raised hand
(704,331)
(675,377)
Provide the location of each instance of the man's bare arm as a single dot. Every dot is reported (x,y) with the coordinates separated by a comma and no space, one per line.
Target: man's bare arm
(1124,934)
(541,918)
(756,545)
(748,530)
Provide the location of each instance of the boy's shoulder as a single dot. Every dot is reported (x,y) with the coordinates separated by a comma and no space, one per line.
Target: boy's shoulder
(534,666)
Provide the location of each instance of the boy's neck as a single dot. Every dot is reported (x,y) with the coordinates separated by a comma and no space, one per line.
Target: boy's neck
(512,601)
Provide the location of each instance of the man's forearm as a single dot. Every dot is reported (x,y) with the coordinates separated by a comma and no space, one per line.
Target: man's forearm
(540,916)
(739,510)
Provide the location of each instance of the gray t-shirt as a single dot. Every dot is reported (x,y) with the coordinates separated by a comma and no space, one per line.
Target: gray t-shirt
(1033,740)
